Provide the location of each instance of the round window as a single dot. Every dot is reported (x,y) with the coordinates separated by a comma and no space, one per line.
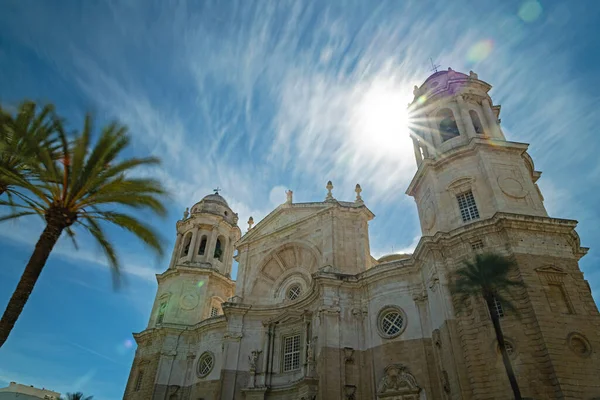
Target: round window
(579,344)
(294,292)
(205,364)
(391,322)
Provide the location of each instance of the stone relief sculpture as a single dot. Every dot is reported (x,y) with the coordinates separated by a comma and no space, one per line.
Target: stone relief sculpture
(253,359)
(398,384)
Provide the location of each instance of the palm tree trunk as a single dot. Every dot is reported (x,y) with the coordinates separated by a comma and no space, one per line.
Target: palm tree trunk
(32,272)
(3,188)
(500,338)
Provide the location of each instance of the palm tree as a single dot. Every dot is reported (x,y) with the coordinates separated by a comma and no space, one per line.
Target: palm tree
(87,187)
(77,396)
(488,277)
(20,135)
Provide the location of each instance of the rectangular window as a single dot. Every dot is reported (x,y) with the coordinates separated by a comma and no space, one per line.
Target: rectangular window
(498,308)
(214,311)
(138,381)
(291,353)
(558,299)
(467,206)
(477,245)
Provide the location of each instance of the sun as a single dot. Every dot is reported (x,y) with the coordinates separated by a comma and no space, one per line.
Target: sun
(382,118)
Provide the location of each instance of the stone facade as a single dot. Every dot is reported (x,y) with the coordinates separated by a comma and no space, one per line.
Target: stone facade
(312,315)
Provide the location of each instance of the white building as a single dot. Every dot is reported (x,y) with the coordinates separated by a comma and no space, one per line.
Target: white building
(16,391)
(313,315)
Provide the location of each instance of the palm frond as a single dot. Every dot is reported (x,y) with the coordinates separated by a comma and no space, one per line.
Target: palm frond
(144,232)
(15,215)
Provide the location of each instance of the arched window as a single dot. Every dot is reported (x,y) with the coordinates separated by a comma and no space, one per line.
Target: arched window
(219,248)
(161,312)
(187,241)
(476,122)
(202,247)
(448,127)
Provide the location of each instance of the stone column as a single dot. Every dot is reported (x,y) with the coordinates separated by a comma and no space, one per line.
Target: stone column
(436,141)
(490,118)
(175,254)
(210,245)
(417,149)
(194,245)
(466,118)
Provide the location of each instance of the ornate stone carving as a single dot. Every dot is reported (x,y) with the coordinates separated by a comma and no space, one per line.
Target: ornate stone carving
(186,213)
(329,188)
(358,190)
(398,384)
(188,301)
(445,382)
(350,392)
(253,359)
(511,187)
(436,338)
(348,355)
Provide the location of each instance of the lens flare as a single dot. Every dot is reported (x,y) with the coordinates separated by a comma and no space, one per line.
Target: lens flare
(123,348)
(422,99)
(530,10)
(200,284)
(480,51)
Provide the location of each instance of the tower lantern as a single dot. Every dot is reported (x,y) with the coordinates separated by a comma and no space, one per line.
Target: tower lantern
(467,170)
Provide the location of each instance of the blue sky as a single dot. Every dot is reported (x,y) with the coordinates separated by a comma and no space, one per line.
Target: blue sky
(257,97)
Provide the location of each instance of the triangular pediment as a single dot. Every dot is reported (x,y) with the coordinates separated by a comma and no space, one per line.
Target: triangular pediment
(550,270)
(286,317)
(283,217)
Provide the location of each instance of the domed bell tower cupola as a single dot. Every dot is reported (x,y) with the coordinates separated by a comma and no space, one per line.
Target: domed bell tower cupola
(467,170)
(206,236)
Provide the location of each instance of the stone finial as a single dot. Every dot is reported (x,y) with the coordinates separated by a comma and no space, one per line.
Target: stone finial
(358,189)
(236,218)
(289,195)
(473,75)
(329,187)
(186,213)
(250,223)
(416,91)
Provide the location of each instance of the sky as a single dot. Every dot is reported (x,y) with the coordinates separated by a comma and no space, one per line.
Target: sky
(257,97)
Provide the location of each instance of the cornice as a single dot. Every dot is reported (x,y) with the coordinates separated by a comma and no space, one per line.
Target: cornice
(179,269)
(459,152)
(166,328)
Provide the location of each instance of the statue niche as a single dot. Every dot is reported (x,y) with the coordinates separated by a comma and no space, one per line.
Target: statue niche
(398,384)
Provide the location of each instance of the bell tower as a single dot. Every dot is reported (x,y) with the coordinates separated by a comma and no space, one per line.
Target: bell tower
(198,279)
(191,291)
(467,170)
(476,191)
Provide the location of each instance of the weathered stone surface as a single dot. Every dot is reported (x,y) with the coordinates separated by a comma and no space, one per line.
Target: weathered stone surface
(356,328)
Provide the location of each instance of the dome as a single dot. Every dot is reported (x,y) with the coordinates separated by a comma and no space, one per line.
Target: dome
(215,197)
(215,204)
(447,82)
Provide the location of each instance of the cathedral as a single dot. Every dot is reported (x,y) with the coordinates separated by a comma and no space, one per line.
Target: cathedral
(313,315)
